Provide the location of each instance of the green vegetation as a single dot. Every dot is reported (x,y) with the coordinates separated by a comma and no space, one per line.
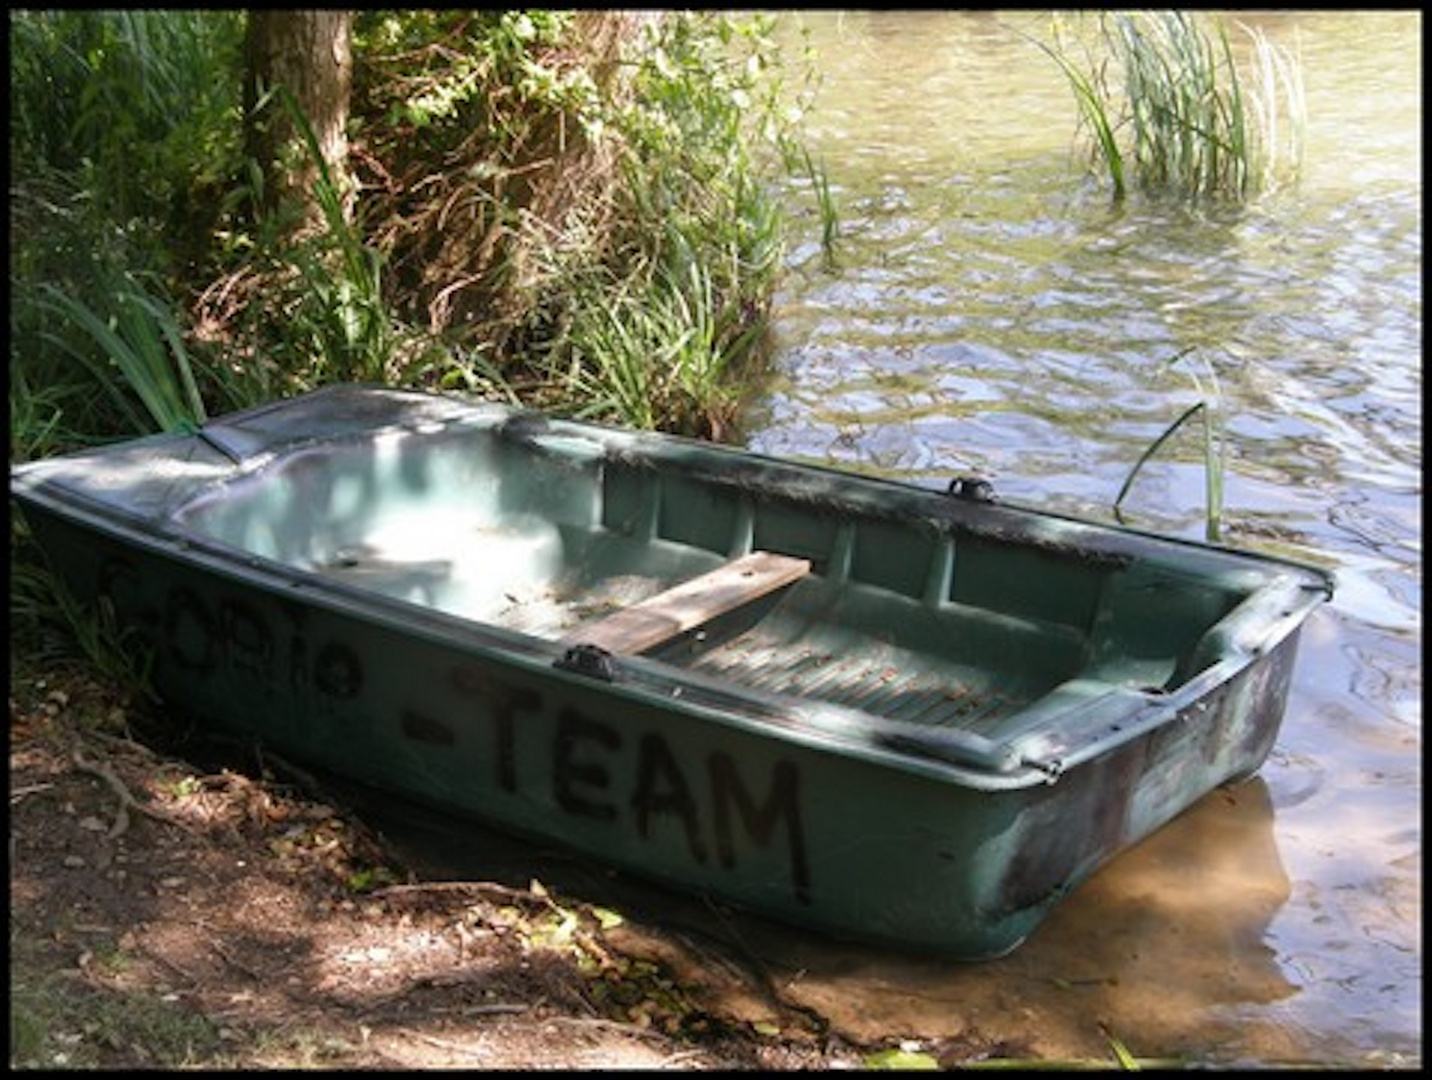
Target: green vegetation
(58,628)
(1168,109)
(53,1025)
(141,339)
(119,121)
(1208,409)
(567,209)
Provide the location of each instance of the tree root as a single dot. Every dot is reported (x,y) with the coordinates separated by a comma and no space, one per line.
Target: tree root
(127,801)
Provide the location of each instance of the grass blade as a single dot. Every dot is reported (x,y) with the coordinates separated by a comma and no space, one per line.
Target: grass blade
(1153,448)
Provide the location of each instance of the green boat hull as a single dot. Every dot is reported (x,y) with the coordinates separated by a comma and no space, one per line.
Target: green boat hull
(951,715)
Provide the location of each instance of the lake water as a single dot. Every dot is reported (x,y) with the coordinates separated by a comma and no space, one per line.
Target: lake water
(992,312)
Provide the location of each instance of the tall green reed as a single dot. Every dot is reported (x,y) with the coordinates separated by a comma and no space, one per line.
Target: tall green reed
(67,267)
(342,314)
(137,338)
(1208,409)
(657,357)
(117,118)
(1279,109)
(1168,108)
(136,102)
(1174,109)
(799,161)
(314,306)
(1094,113)
(37,419)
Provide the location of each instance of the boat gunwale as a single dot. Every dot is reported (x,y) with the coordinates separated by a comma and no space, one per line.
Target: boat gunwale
(647,448)
(939,753)
(946,753)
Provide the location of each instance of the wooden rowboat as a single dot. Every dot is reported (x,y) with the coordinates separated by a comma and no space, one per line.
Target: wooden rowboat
(892,713)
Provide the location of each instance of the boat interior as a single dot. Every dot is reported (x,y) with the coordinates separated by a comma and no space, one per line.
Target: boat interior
(768,576)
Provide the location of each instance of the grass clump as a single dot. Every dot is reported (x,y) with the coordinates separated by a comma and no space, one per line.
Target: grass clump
(121,130)
(141,340)
(1169,109)
(56,1022)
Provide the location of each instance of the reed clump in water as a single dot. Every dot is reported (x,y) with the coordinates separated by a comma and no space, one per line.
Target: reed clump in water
(1169,110)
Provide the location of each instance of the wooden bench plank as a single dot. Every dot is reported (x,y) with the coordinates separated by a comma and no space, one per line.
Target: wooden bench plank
(686,606)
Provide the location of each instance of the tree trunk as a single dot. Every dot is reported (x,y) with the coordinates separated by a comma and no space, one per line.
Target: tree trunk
(309,54)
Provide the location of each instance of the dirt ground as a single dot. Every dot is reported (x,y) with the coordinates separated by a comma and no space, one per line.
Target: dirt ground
(180,904)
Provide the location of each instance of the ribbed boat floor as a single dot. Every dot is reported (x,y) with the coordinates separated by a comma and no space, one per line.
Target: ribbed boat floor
(886,681)
(881,679)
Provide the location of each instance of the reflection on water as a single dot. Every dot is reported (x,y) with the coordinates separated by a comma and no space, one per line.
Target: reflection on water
(994,313)
(1140,948)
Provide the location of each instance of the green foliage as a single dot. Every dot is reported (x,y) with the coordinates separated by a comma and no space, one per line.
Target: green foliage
(58,1022)
(1094,114)
(36,419)
(339,325)
(122,123)
(602,214)
(800,162)
(1167,107)
(484,48)
(1278,113)
(57,627)
(96,349)
(141,104)
(661,209)
(139,338)
(657,358)
(698,238)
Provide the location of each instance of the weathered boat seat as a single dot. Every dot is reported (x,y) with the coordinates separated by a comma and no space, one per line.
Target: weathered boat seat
(690,604)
